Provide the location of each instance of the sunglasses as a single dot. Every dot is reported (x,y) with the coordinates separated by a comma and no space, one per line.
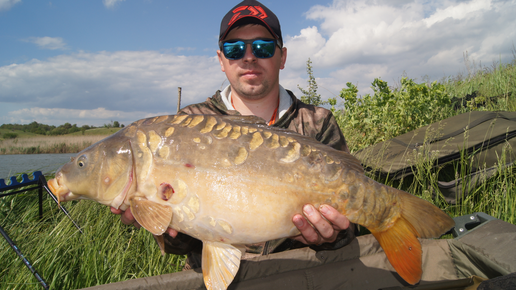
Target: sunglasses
(235,48)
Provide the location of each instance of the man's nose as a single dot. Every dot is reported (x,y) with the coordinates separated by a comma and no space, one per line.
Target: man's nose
(249,55)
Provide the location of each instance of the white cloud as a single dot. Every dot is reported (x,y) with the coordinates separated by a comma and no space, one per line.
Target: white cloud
(124,81)
(47,42)
(7,4)
(357,41)
(111,3)
(310,40)
(460,11)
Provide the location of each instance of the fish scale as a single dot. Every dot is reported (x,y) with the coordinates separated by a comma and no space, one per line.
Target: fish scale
(232,180)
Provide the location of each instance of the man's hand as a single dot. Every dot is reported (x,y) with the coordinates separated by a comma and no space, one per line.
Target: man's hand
(128,219)
(327,223)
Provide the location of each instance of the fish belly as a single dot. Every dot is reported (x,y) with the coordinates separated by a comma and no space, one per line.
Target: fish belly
(233,208)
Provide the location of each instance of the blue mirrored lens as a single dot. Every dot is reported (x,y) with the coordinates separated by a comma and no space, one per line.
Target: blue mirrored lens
(234,50)
(261,48)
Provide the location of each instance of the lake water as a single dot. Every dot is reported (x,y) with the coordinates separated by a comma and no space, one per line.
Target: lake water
(27,163)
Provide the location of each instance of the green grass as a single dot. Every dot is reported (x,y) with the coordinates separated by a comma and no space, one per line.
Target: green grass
(19,133)
(371,119)
(496,196)
(107,252)
(494,85)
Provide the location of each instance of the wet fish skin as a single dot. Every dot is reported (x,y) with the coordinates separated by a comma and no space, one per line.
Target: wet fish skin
(232,180)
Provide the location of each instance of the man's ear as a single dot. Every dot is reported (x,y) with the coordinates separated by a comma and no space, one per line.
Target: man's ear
(283,57)
(219,54)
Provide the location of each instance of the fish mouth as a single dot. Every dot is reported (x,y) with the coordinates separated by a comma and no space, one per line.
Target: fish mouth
(59,189)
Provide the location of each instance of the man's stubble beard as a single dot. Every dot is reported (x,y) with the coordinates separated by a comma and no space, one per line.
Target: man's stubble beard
(251,92)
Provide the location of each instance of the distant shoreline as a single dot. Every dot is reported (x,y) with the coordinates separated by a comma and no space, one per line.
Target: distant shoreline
(48,144)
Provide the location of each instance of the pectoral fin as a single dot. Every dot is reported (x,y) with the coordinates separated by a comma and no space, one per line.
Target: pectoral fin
(153,216)
(220,263)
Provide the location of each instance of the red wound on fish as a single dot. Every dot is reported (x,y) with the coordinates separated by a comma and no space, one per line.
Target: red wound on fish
(166,190)
(189,165)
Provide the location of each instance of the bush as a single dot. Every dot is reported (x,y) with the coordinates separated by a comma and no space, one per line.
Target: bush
(370,119)
(10,135)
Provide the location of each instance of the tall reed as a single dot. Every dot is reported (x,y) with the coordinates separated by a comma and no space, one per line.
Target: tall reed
(48,144)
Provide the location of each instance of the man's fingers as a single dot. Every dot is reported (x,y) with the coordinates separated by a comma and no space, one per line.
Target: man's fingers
(116,210)
(338,220)
(127,218)
(321,225)
(308,234)
(171,232)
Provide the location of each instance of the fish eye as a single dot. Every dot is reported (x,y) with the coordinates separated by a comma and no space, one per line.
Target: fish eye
(81,161)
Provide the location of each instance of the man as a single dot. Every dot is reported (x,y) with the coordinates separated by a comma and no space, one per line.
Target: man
(251,55)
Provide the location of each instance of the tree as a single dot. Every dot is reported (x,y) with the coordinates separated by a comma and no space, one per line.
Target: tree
(310,96)
(116,124)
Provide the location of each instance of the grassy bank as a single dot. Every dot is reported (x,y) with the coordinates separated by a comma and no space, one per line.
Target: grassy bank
(28,143)
(394,110)
(108,251)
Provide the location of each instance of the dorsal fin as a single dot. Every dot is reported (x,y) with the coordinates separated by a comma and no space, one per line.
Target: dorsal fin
(349,159)
(249,120)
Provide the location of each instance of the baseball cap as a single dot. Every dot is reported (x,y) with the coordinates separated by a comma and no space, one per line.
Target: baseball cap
(254,12)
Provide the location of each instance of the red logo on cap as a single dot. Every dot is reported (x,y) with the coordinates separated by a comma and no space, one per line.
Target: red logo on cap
(255,11)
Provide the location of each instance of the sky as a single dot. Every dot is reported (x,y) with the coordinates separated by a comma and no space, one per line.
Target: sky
(92,62)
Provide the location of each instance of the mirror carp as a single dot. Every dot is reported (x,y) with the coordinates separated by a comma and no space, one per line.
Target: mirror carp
(233,180)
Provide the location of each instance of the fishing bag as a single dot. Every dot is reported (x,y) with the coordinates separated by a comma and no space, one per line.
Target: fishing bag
(486,139)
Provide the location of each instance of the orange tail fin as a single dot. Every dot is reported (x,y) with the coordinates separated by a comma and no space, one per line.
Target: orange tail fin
(403,250)
(418,219)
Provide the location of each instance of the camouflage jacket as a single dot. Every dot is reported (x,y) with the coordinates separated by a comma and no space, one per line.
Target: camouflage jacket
(302,118)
